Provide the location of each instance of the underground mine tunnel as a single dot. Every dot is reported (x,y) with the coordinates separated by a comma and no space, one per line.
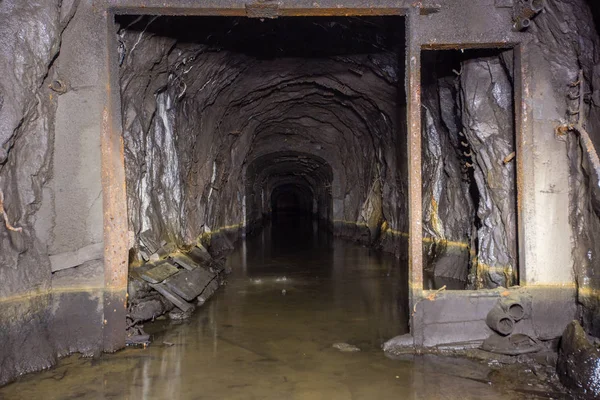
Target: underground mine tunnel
(292,199)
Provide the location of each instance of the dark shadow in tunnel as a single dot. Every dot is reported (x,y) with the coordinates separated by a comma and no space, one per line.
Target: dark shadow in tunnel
(288,188)
(307,37)
(292,198)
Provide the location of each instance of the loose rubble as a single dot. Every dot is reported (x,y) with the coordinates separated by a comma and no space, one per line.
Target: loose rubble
(171,282)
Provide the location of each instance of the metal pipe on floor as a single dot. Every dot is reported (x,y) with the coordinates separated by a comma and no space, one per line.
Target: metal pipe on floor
(499,321)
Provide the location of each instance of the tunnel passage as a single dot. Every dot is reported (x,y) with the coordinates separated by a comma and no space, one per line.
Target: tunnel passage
(291,198)
(222,115)
(288,182)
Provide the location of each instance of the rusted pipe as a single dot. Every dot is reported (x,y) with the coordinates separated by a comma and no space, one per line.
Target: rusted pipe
(530,8)
(525,11)
(522,23)
(498,320)
(513,307)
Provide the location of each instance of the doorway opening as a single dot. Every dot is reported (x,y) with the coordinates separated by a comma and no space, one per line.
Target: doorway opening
(232,124)
(469,169)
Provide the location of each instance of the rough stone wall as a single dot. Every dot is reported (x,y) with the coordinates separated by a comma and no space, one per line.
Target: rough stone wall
(43,315)
(569,43)
(29,39)
(197,115)
(469,190)
(447,204)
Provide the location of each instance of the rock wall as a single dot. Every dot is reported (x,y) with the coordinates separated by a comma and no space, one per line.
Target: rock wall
(469,193)
(569,45)
(29,40)
(44,315)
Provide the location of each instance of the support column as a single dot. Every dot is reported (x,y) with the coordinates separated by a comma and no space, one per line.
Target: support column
(114,202)
(413,93)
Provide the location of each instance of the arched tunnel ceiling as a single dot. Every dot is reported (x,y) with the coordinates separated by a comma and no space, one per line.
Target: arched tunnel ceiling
(289,164)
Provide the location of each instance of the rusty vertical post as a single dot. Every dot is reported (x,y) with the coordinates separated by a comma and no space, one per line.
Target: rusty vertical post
(114,204)
(524,151)
(413,94)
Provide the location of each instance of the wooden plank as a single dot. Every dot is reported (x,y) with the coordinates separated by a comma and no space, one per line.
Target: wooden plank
(189,284)
(183,261)
(172,297)
(159,272)
(200,255)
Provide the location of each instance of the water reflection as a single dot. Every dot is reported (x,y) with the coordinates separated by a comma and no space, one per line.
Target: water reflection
(268,334)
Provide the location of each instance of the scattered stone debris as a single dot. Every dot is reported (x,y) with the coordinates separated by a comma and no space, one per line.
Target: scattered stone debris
(345,347)
(168,284)
(179,315)
(183,261)
(190,284)
(578,364)
(137,340)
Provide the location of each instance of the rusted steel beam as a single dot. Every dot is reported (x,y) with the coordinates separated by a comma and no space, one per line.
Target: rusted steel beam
(521,139)
(114,206)
(524,150)
(469,45)
(415,230)
(284,8)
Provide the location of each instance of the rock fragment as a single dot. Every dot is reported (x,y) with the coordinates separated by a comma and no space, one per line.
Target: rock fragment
(578,364)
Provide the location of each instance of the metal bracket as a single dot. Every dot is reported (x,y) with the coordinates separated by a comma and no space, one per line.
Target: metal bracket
(525,11)
(263,10)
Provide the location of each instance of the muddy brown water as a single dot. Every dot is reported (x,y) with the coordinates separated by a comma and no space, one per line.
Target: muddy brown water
(268,334)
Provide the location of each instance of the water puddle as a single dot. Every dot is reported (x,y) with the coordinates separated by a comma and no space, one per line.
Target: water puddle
(269,333)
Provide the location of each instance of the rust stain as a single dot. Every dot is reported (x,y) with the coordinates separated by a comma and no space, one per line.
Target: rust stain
(114,202)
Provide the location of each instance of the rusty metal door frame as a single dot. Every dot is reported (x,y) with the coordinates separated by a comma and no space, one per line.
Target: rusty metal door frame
(522,130)
(113,163)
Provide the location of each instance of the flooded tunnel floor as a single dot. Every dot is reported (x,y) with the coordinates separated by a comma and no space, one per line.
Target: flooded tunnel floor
(268,334)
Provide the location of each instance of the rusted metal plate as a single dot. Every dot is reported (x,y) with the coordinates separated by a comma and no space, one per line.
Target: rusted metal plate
(262,10)
(190,284)
(270,9)
(183,261)
(156,273)
(524,151)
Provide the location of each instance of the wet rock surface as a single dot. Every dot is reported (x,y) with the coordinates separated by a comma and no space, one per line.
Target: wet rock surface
(469,190)
(30,34)
(579,362)
(567,34)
